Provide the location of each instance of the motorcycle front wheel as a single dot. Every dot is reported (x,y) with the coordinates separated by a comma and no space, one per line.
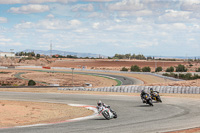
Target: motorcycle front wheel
(150,103)
(106,115)
(115,115)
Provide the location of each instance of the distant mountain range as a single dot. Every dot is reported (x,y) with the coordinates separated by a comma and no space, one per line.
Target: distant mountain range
(63,53)
(177,57)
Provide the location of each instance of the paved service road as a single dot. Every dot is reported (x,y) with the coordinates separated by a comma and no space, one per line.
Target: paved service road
(133,115)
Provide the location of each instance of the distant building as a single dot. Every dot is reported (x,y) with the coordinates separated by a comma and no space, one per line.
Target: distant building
(7,54)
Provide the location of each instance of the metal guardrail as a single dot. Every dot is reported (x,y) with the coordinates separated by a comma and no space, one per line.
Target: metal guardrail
(138,89)
(2,67)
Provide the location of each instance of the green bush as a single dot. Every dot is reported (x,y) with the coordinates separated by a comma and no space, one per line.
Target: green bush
(196,76)
(198,69)
(31,83)
(187,76)
(181,68)
(158,69)
(135,68)
(146,69)
(124,69)
(165,74)
(170,69)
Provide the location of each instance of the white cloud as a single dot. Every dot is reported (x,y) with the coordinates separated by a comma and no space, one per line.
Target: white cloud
(147,44)
(83,7)
(135,13)
(5,40)
(8,42)
(27,9)
(96,25)
(15,44)
(175,16)
(2,43)
(24,25)
(3,20)
(98,15)
(139,20)
(180,26)
(33,1)
(126,5)
(190,5)
(74,22)
(98,0)
(50,16)
(54,24)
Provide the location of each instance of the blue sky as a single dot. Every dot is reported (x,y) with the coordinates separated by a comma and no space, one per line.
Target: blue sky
(107,27)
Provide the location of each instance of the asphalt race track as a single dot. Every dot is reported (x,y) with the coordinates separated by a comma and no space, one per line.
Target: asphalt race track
(123,79)
(133,115)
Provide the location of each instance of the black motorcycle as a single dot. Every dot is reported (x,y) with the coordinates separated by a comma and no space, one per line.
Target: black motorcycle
(155,96)
(147,99)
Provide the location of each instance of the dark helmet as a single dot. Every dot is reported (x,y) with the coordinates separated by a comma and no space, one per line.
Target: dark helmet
(142,92)
(99,103)
(151,89)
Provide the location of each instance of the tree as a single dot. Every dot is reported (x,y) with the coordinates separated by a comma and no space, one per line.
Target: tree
(170,69)
(149,58)
(31,83)
(135,68)
(127,56)
(181,68)
(146,69)
(124,69)
(38,56)
(198,69)
(158,69)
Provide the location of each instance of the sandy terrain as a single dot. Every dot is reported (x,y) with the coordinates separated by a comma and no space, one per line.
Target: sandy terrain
(102,64)
(16,113)
(113,64)
(193,130)
(7,78)
(177,83)
(65,79)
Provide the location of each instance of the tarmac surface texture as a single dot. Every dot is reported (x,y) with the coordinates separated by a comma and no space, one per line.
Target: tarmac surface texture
(133,115)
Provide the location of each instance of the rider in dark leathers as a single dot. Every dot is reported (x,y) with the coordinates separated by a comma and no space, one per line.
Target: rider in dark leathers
(142,95)
(152,92)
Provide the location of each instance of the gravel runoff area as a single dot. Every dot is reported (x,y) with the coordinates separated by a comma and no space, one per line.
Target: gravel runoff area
(18,113)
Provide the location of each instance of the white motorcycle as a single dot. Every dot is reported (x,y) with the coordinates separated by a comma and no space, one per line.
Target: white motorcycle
(107,113)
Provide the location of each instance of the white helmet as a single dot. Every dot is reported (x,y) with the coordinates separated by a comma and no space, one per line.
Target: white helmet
(99,103)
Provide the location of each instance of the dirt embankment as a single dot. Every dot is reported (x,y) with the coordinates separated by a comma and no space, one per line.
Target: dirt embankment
(16,113)
(7,78)
(112,64)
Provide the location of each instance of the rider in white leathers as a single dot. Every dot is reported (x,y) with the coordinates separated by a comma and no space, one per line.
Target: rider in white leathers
(100,103)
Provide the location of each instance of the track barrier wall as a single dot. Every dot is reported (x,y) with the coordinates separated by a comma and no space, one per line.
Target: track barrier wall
(138,89)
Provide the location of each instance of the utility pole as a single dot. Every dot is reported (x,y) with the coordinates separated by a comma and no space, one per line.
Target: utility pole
(72,77)
(51,49)
(11,51)
(155,65)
